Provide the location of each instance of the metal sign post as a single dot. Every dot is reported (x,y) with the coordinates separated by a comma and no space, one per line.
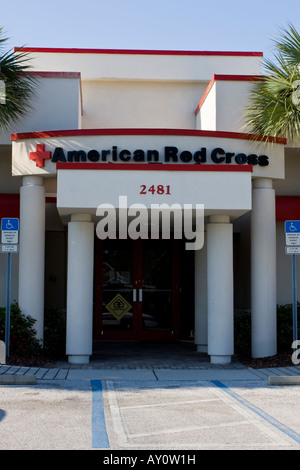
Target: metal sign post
(7,312)
(9,240)
(292,240)
(295,298)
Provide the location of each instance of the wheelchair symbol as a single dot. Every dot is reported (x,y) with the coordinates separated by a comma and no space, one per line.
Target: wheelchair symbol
(292,227)
(9,225)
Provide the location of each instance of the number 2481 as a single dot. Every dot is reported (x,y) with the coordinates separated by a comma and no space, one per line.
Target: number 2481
(159,189)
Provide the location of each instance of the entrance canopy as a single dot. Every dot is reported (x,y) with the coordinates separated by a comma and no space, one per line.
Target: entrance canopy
(219,189)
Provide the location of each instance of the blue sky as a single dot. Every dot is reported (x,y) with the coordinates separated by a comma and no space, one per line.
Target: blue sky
(219,25)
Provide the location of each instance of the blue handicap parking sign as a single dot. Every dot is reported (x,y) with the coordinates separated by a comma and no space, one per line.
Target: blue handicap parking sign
(292,232)
(9,224)
(292,226)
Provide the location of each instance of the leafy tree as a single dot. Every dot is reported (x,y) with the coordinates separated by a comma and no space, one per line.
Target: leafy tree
(274,108)
(17,86)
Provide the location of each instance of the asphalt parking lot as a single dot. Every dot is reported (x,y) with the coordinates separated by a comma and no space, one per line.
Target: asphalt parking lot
(128,415)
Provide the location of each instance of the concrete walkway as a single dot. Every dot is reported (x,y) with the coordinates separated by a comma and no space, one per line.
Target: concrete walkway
(145,361)
(67,373)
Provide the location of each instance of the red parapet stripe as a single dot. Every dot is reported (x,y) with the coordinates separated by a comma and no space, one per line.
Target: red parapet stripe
(54,74)
(239,78)
(138,52)
(152,167)
(140,131)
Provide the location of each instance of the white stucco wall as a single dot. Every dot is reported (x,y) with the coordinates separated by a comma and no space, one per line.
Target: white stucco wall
(145,65)
(224,104)
(56,105)
(206,117)
(164,104)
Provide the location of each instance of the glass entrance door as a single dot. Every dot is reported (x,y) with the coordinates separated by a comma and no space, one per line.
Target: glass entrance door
(158,289)
(136,290)
(115,299)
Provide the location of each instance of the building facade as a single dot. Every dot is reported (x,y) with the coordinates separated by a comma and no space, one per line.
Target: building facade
(146,209)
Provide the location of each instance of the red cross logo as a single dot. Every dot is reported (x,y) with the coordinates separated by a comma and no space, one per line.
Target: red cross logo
(40,155)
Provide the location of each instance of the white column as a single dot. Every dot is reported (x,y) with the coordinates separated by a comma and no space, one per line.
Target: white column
(80,289)
(201,298)
(263,269)
(220,289)
(32,251)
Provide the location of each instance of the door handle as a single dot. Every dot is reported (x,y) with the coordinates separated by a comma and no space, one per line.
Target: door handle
(134,295)
(140,295)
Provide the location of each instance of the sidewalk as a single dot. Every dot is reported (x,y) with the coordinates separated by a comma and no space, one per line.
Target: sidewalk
(146,361)
(91,373)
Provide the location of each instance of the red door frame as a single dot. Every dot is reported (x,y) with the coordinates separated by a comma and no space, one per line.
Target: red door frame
(137,333)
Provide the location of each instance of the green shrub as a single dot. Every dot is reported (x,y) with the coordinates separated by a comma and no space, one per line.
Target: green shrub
(23,342)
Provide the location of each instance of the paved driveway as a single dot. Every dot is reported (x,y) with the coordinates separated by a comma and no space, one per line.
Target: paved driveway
(125,414)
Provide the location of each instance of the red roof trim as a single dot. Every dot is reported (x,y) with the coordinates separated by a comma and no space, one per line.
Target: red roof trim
(152,167)
(55,74)
(229,78)
(238,78)
(173,132)
(137,52)
(205,94)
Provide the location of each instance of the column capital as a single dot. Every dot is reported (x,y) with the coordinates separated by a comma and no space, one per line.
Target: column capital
(219,219)
(33,181)
(81,218)
(263,183)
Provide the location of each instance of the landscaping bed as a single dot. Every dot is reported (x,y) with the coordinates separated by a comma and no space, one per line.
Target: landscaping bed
(283,359)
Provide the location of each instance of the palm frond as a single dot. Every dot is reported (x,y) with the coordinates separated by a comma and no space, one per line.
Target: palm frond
(19,85)
(273,110)
(2,38)
(288,45)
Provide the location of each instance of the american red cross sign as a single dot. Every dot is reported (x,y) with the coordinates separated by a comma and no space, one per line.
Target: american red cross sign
(40,155)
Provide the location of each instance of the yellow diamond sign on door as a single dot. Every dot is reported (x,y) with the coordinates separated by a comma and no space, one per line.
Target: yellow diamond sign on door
(118,306)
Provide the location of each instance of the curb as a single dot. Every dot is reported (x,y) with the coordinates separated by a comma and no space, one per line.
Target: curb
(284,380)
(18,380)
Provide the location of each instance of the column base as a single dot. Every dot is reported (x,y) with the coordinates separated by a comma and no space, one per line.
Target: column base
(201,348)
(83,359)
(220,359)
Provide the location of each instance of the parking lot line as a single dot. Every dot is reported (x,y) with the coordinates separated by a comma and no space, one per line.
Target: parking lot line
(270,419)
(99,434)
